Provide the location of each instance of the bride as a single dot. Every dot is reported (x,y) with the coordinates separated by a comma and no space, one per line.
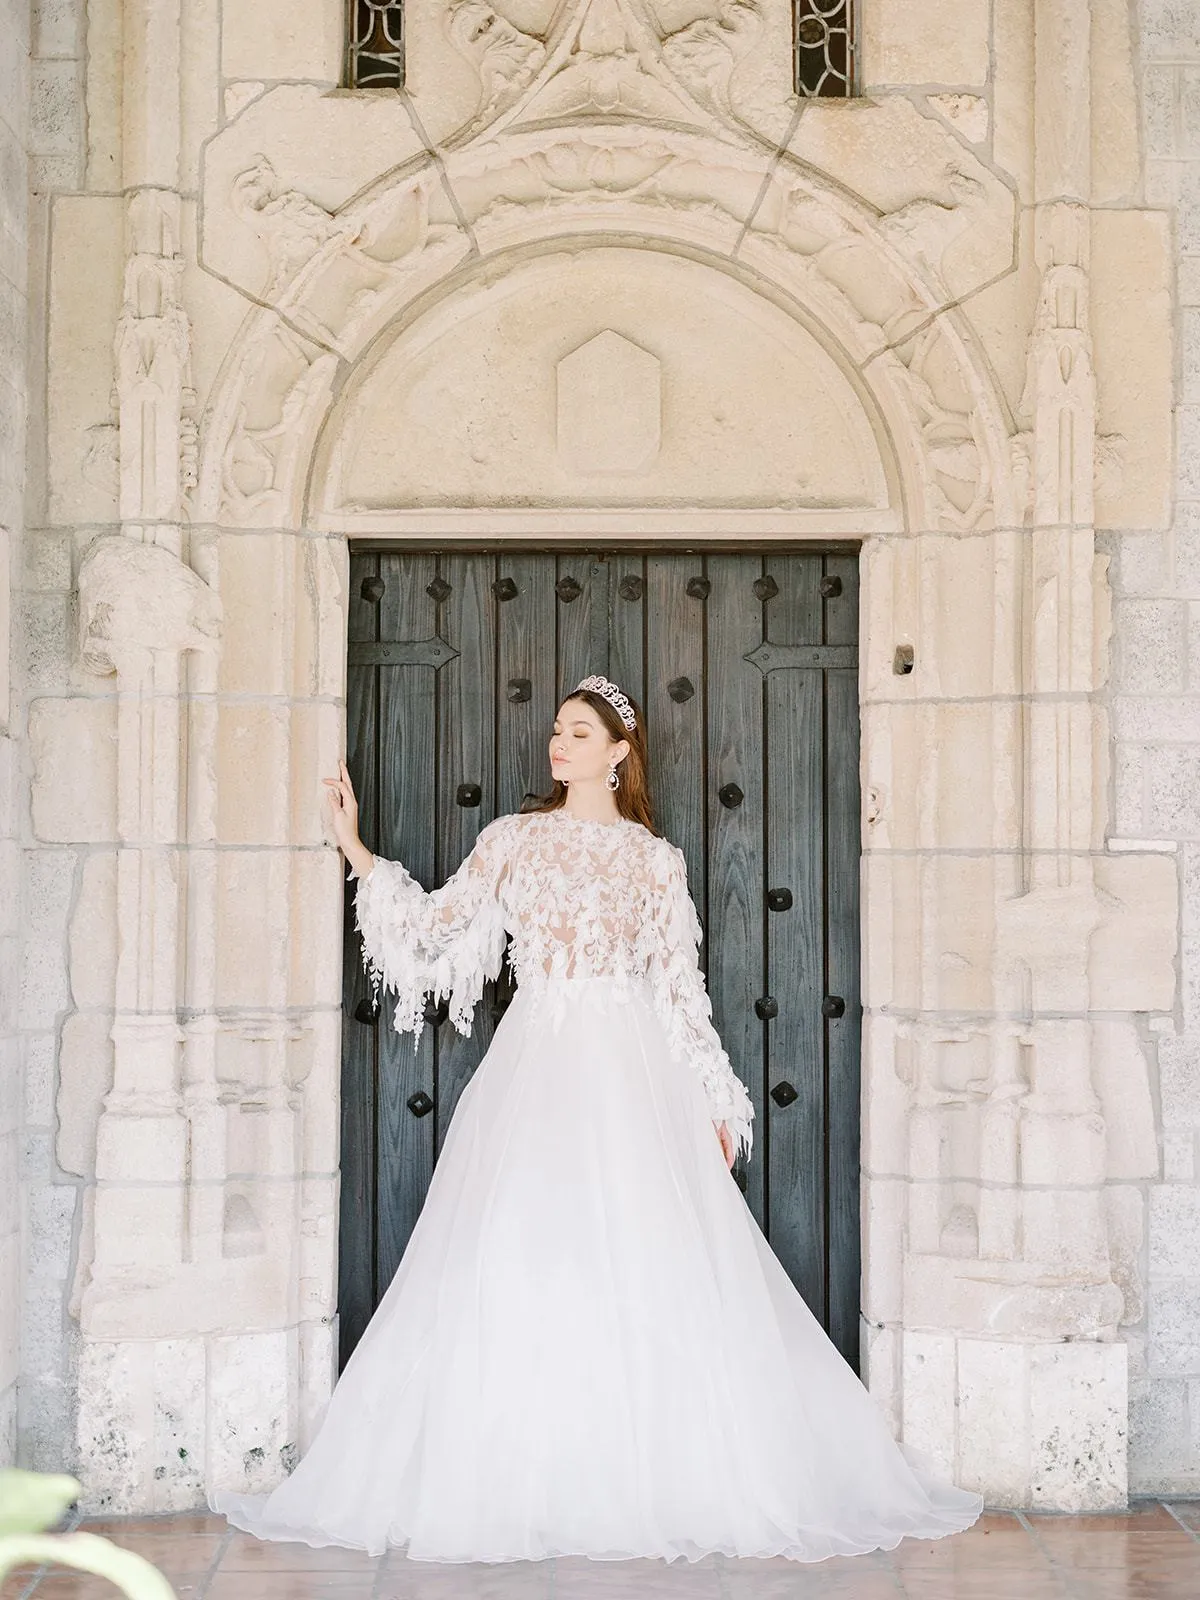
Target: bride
(588,1347)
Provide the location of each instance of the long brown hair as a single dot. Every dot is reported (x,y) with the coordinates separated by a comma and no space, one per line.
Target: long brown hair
(633,794)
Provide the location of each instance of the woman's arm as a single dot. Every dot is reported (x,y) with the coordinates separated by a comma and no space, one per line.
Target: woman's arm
(447,942)
(685,1008)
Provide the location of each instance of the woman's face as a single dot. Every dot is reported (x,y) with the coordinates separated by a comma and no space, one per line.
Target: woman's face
(581,750)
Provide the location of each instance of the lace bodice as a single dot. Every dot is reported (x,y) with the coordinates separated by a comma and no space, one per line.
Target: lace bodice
(580,900)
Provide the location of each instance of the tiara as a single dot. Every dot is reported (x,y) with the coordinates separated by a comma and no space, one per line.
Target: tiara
(610,692)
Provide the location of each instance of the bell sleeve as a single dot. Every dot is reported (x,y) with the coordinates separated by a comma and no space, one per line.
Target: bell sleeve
(683,1003)
(448,941)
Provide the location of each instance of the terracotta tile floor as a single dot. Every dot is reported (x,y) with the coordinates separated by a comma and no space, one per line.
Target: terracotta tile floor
(1152,1553)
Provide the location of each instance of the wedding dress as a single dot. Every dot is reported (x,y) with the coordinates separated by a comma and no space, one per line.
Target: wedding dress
(588,1347)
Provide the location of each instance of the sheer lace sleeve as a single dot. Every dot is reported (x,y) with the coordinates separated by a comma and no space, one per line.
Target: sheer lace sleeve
(682,999)
(449,940)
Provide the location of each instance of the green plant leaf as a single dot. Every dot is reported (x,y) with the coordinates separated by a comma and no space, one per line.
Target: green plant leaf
(31,1501)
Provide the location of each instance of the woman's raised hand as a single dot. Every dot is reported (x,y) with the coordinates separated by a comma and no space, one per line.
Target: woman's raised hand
(343,810)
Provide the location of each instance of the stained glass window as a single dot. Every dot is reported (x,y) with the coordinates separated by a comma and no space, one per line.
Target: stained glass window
(825,53)
(375,44)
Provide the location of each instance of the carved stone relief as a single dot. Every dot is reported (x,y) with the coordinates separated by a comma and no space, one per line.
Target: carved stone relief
(609,395)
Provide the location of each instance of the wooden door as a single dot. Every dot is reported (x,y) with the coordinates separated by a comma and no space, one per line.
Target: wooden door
(746,665)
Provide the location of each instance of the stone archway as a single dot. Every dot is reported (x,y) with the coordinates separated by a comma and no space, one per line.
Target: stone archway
(991,924)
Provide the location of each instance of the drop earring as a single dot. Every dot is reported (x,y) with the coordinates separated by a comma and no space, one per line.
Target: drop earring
(612,780)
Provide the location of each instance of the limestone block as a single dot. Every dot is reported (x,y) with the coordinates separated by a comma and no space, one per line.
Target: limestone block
(1131,319)
(252,933)
(253,1409)
(1179,1079)
(316,1063)
(10,1188)
(85,1077)
(930,1386)
(1121,1076)
(105,64)
(1187,429)
(140,1430)
(316,928)
(318,1372)
(1149,646)
(948,784)
(93,933)
(10,1313)
(1173,797)
(49,881)
(883,1249)
(609,394)
(10,888)
(73,744)
(992,1432)
(1140,563)
(316,743)
(45,634)
(86,265)
(941,206)
(39,1053)
(1129,789)
(1179,1155)
(1113,105)
(216,309)
(1078,1408)
(950,45)
(1189,108)
(1174,1234)
(318,1248)
(140,1231)
(887,1073)
(55,106)
(1169,29)
(49,1219)
(442,82)
(1125,1213)
(43,1334)
(252,773)
(141,1148)
(1174,1326)
(754,412)
(1160,1457)
(1166,719)
(257,606)
(280,39)
(322,148)
(319,629)
(1131,954)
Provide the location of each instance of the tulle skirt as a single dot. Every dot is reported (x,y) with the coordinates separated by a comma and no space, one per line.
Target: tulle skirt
(589,1347)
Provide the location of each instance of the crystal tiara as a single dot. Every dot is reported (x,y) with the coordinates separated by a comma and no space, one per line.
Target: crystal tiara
(610,692)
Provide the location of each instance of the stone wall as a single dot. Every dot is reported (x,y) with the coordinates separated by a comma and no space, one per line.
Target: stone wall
(14,316)
(44,656)
(1156,778)
(247,277)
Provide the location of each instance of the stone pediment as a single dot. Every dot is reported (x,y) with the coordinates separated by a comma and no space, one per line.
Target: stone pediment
(603,59)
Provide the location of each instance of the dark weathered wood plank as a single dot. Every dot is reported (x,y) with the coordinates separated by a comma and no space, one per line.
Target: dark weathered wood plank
(466,704)
(796,937)
(627,659)
(736,974)
(357,1295)
(526,630)
(406,832)
(574,619)
(843,943)
(674,652)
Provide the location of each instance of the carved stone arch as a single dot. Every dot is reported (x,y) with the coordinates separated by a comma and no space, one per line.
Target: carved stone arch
(866,286)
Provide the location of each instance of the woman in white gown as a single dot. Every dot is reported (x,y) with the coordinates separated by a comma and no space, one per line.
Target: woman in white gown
(588,1347)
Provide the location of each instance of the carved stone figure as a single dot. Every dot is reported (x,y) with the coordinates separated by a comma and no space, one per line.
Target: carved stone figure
(137,598)
(506,59)
(291,226)
(704,53)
